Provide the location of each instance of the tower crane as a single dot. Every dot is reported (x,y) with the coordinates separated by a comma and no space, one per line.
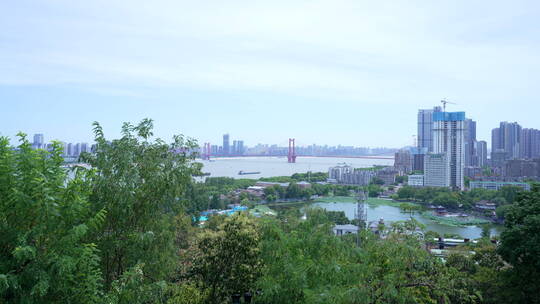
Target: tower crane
(444,102)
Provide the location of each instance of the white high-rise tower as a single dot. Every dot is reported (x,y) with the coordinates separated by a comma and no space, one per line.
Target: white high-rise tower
(449,139)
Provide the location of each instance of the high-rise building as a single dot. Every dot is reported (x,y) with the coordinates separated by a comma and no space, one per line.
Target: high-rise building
(507,138)
(70,149)
(448,138)
(470,143)
(38,141)
(436,170)
(521,168)
(495,140)
(530,143)
(403,161)
(418,158)
(425,128)
(234,150)
(226,146)
(240,147)
(84,148)
(481,152)
(77,150)
(498,158)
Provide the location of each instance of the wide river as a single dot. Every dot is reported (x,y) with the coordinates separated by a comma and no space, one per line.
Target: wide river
(278,166)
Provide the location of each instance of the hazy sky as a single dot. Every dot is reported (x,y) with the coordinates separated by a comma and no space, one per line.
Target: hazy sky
(325,72)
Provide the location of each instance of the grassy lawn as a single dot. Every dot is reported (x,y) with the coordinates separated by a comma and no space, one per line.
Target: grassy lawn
(336,199)
(455,221)
(350,199)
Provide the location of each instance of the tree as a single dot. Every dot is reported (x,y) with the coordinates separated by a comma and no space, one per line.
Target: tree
(142,185)
(374,190)
(406,192)
(446,199)
(228,259)
(269,191)
(502,210)
(46,255)
(293,190)
(520,245)
(486,231)
(400,179)
(377,181)
(510,193)
(216,202)
(305,263)
(337,217)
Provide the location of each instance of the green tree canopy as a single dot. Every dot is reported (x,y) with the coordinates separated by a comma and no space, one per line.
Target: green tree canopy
(521,244)
(142,185)
(46,255)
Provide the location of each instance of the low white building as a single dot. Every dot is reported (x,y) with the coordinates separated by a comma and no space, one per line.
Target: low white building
(345,229)
(416,180)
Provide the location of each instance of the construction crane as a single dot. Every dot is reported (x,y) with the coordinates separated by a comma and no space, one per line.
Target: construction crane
(444,102)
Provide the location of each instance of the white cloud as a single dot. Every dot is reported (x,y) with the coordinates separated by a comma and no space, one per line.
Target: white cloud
(348,49)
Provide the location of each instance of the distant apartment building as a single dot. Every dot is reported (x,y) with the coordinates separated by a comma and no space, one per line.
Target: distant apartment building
(448,138)
(481,152)
(344,174)
(530,143)
(85,148)
(436,170)
(507,138)
(470,144)
(70,149)
(418,158)
(77,149)
(240,147)
(403,161)
(499,158)
(418,162)
(38,141)
(226,145)
(496,185)
(472,172)
(425,128)
(521,168)
(416,180)
(388,175)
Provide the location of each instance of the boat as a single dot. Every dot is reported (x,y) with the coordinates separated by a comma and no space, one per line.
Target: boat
(246,172)
(202,174)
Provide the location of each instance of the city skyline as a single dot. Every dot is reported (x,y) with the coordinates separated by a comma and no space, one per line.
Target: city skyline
(325,73)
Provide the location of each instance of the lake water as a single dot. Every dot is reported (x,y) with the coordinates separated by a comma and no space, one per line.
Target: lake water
(390,214)
(278,166)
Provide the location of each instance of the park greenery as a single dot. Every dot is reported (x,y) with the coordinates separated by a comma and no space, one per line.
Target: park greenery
(458,199)
(124,230)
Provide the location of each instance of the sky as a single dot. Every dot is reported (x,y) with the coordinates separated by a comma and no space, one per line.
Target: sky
(324,72)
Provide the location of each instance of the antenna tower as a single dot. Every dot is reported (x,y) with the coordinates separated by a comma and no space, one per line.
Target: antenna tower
(361,214)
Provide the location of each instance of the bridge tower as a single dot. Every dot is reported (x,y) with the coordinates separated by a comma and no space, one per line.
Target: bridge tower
(291,157)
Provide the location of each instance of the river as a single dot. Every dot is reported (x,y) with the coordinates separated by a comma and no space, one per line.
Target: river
(278,166)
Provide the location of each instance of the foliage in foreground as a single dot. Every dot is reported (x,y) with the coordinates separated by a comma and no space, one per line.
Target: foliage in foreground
(122,232)
(305,263)
(46,255)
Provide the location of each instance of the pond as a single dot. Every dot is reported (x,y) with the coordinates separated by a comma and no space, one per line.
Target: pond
(391,213)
